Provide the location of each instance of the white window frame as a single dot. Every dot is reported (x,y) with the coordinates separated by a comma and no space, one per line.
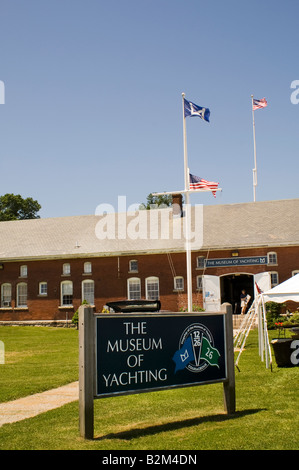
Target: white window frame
(62,293)
(134,293)
(273,261)
(199,280)
(178,282)
(21,299)
(276,282)
(133,269)
(87,267)
(88,296)
(6,296)
(200,262)
(43,288)
(23,270)
(66,269)
(149,281)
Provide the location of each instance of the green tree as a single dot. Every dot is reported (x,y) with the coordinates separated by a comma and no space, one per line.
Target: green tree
(14,207)
(151,201)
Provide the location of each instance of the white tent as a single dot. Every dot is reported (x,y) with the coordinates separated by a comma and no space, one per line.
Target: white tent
(287,290)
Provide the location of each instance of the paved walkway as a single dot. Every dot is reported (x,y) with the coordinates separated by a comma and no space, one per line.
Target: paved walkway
(27,407)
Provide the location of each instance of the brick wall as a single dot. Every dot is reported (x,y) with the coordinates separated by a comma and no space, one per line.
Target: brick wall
(110,275)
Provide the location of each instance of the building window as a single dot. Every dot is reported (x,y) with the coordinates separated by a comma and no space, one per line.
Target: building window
(274,279)
(200,262)
(66,269)
(133,266)
(152,288)
(43,288)
(272,258)
(134,288)
(23,271)
(87,267)
(22,294)
(179,283)
(66,293)
(199,283)
(6,295)
(88,291)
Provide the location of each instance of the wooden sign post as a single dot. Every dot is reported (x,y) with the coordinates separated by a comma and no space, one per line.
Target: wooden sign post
(86,371)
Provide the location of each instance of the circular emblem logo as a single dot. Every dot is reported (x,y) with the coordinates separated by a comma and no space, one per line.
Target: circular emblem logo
(197,334)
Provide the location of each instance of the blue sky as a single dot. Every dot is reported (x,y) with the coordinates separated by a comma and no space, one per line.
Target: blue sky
(93,104)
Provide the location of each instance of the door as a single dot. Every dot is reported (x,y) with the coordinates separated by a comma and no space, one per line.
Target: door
(262,282)
(232,285)
(211,293)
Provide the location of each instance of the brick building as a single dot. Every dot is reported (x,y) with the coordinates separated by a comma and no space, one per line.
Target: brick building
(49,266)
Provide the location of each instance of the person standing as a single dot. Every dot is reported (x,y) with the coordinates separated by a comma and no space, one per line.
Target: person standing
(244,298)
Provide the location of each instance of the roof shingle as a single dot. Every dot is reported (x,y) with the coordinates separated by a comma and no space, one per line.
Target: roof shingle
(270,223)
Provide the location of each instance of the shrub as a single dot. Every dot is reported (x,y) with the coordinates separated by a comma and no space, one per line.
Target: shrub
(75,319)
(291,321)
(195,308)
(273,311)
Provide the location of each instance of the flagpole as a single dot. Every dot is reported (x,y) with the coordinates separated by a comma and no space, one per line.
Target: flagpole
(187,214)
(254,146)
(187,219)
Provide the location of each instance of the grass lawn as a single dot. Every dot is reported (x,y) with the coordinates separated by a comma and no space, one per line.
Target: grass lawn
(182,419)
(37,359)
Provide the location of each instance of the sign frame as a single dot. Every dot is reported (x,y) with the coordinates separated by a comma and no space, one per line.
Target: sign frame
(127,348)
(88,340)
(236,261)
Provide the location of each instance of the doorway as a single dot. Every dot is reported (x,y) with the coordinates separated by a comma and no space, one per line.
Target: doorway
(231,286)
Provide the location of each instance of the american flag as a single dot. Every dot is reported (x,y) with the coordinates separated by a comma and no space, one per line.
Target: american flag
(257,104)
(199,183)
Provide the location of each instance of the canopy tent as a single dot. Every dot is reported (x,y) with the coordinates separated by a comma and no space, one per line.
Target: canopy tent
(287,290)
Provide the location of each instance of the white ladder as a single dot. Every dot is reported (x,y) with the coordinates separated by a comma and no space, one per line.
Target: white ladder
(257,312)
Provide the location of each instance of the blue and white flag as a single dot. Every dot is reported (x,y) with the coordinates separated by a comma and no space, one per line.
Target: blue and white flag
(191,109)
(183,356)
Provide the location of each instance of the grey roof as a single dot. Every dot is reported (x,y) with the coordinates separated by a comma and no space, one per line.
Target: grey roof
(270,223)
